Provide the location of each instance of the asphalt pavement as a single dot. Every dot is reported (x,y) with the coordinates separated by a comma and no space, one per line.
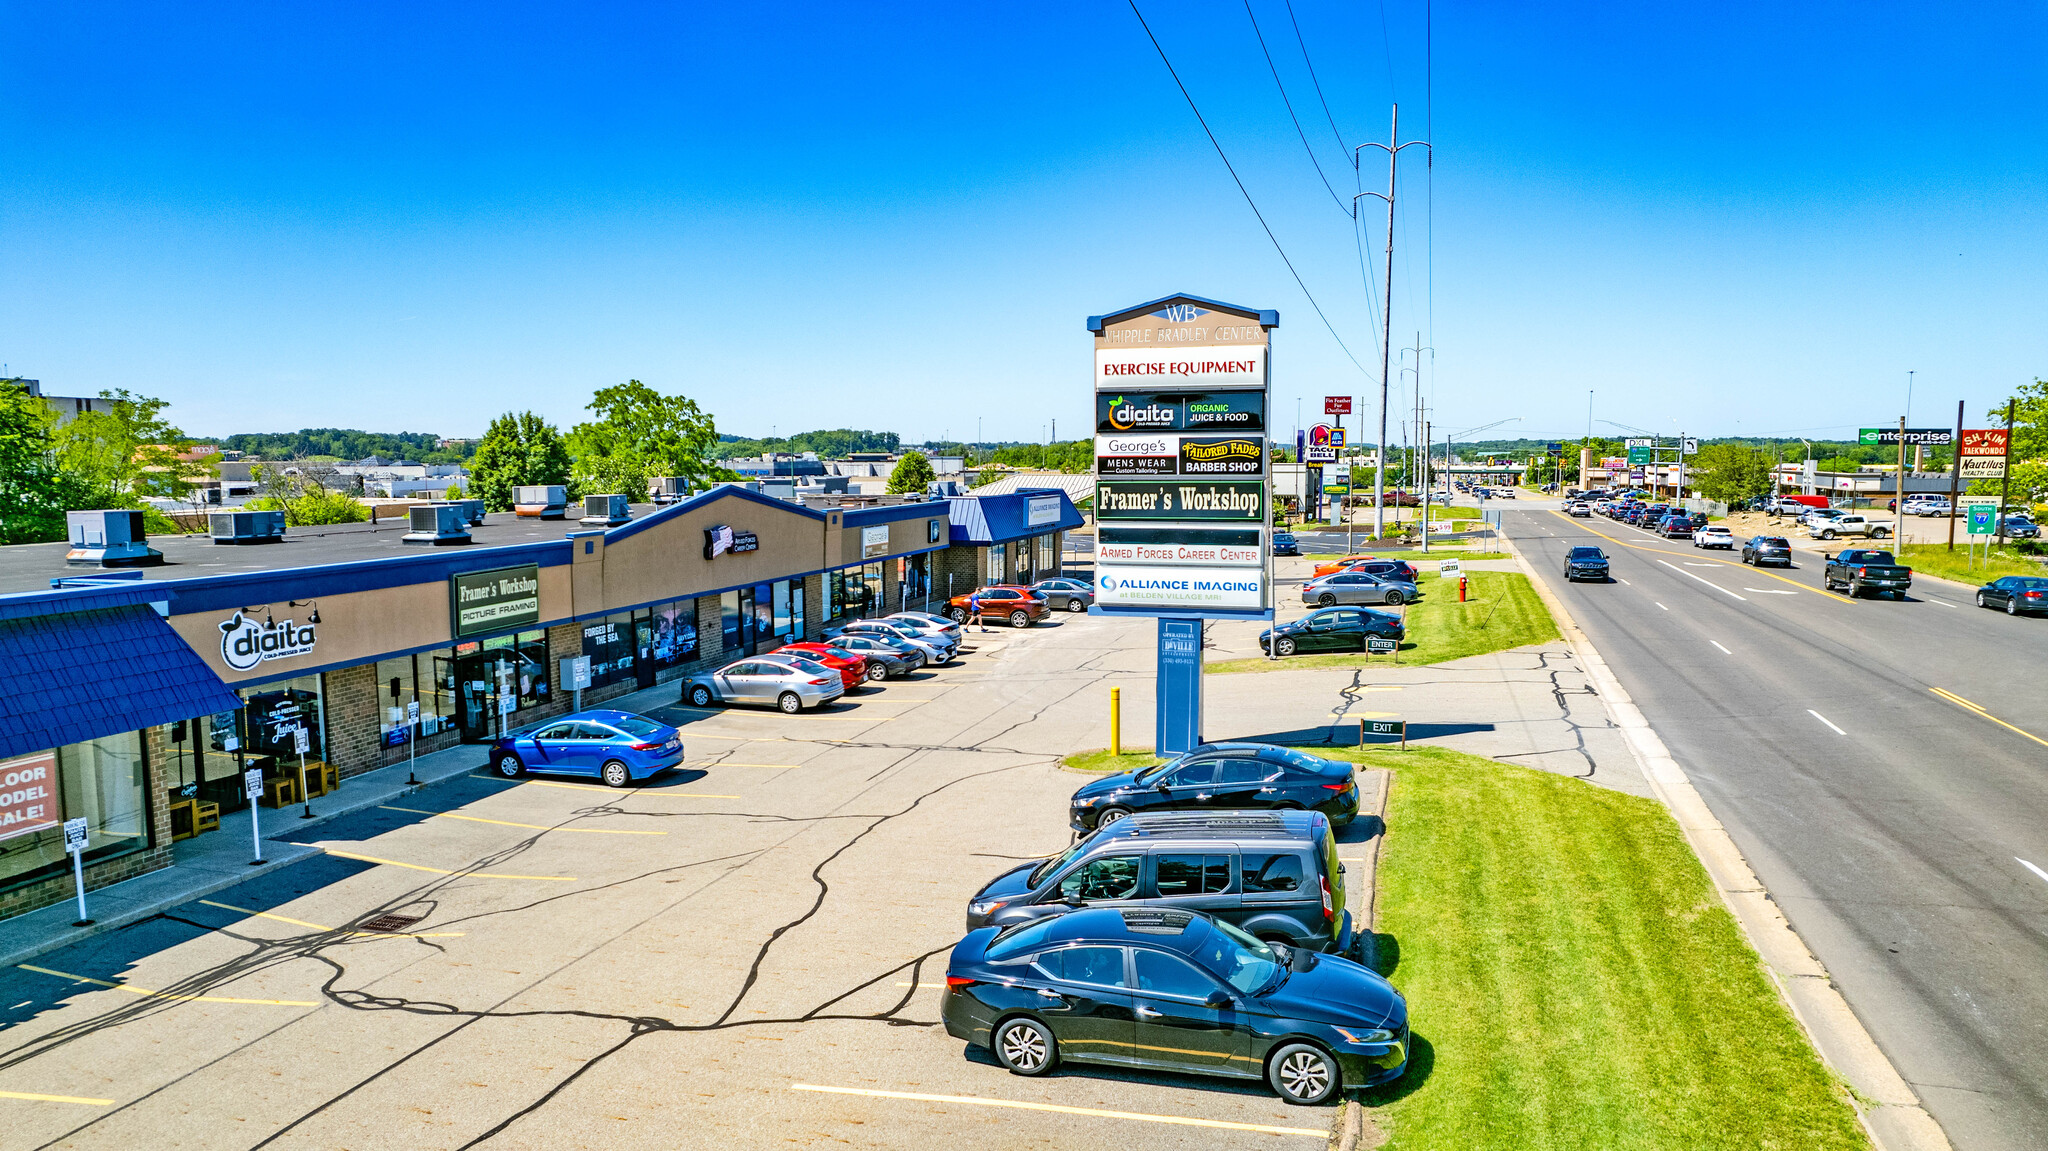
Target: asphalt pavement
(1881,763)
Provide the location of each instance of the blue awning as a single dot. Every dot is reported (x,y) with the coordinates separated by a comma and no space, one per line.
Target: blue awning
(71,676)
(999,519)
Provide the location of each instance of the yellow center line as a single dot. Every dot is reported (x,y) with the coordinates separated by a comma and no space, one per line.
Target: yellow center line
(324,927)
(509,823)
(623,791)
(56,1098)
(445,871)
(1096,1112)
(1961,702)
(144,991)
(1724,563)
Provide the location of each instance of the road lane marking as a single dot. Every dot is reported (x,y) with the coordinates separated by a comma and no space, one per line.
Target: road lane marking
(1717,643)
(324,927)
(1729,563)
(1952,697)
(1660,605)
(445,871)
(1692,564)
(147,993)
(1625,581)
(509,823)
(1769,591)
(2032,868)
(626,791)
(1943,603)
(1095,1112)
(723,763)
(1708,582)
(33,1097)
(1824,719)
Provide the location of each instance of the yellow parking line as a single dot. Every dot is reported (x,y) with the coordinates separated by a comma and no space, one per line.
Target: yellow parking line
(1952,697)
(623,791)
(445,871)
(144,991)
(1725,563)
(1096,1112)
(324,927)
(1363,714)
(509,823)
(56,1098)
(722,763)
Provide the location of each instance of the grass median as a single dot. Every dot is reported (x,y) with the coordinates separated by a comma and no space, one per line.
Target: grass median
(1573,979)
(1501,611)
(1958,565)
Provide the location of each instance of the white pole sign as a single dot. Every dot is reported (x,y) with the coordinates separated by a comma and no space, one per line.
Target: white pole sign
(252,787)
(74,842)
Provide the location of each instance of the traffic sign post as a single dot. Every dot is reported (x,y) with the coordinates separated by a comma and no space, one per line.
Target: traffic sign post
(412,722)
(74,842)
(252,788)
(1395,727)
(303,741)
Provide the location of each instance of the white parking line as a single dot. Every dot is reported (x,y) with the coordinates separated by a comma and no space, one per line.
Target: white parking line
(1824,719)
(1096,1112)
(1724,651)
(2032,868)
(1708,582)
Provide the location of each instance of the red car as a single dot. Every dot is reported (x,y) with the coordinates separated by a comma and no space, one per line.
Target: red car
(1014,604)
(853,669)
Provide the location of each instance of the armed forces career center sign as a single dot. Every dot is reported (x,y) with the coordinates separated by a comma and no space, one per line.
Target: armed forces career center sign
(1182,491)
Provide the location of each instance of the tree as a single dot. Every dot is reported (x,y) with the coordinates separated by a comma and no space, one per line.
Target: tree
(127,446)
(30,510)
(641,433)
(517,450)
(913,472)
(312,506)
(2029,423)
(454,492)
(1730,473)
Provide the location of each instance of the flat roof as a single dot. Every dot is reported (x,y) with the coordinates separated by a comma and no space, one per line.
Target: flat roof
(31,567)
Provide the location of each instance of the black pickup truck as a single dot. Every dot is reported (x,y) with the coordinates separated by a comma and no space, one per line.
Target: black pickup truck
(1858,570)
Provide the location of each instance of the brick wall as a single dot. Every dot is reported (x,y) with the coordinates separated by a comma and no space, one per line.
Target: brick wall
(355,719)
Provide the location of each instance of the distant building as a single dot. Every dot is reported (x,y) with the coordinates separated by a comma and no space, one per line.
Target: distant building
(67,408)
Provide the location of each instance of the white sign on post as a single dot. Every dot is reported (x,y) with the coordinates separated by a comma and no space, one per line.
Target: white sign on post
(74,835)
(302,741)
(252,786)
(505,704)
(252,783)
(74,842)
(412,712)
(1448,568)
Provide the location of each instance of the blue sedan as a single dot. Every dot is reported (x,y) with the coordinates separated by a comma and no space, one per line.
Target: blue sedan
(616,746)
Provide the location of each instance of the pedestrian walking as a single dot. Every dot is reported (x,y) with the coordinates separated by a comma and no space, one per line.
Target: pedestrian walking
(974,609)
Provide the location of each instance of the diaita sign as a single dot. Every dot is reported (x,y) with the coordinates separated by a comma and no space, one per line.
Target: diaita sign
(245,642)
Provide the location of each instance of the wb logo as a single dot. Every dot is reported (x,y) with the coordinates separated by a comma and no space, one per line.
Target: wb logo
(1180,313)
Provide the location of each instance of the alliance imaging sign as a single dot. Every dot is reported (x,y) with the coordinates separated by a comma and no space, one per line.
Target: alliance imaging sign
(245,642)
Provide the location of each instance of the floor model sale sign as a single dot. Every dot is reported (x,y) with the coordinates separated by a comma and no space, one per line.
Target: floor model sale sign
(1181,389)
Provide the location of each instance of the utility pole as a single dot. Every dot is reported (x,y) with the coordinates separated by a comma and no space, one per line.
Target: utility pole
(2005,482)
(1955,478)
(1899,489)
(1393,148)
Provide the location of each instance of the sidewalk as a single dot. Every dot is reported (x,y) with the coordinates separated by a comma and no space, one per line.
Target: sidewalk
(220,859)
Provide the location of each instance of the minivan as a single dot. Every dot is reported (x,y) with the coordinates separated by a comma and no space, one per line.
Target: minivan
(1272,874)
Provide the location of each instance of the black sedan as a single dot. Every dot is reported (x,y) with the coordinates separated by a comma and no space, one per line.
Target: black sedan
(1763,550)
(1284,544)
(1332,629)
(1585,562)
(1676,527)
(1062,594)
(896,659)
(1175,991)
(2016,594)
(1222,775)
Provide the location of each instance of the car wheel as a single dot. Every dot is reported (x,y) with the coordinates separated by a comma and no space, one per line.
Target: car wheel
(1980,599)
(1020,619)
(1326,600)
(1026,1047)
(1828,534)
(1304,1075)
(1394,599)
(1284,646)
(1855,589)
(1076,605)
(509,766)
(877,673)
(700,696)
(957,614)
(1878,533)
(616,773)
(2012,607)
(1111,815)
(789,703)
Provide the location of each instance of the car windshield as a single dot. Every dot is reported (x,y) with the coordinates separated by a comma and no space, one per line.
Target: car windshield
(1018,940)
(1873,557)
(1238,959)
(1293,758)
(1039,873)
(1151,775)
(840,652)
(1586,554)
(637,725)
(1772,542)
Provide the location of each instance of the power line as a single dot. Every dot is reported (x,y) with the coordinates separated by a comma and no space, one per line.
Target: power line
(1346,148)
(1229,167)
(1271,67)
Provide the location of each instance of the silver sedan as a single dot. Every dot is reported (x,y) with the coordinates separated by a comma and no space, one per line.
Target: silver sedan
(784,682)
(1356,587)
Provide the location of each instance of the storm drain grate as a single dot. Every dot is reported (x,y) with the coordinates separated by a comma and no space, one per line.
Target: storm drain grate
(391,922)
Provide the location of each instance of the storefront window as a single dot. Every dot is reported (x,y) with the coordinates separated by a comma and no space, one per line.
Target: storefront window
(914,578)
(438,694)
(274,714)
(1048,561)
(609,644)
(104,781)
(835,595)
(674,639)
(395,689)
(998,564)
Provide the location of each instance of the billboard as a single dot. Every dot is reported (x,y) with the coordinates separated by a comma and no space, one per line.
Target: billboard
(1982,442)
(1123,412)
(1925,437)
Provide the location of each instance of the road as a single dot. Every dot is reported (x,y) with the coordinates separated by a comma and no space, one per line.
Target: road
(1883,765)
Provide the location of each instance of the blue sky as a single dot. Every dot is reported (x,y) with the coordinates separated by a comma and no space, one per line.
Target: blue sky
(1747,219)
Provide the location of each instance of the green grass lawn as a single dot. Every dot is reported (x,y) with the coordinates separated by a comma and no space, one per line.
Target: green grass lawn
(1573,980)
(1099,761)
(1501,611)
(1937,560)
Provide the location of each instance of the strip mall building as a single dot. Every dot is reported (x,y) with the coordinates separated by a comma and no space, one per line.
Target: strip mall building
(136,698)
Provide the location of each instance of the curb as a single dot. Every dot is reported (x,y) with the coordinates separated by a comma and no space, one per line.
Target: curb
(1892,1115)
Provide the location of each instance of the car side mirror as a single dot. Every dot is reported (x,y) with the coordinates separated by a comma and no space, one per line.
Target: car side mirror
(1217,999)
(1162,785)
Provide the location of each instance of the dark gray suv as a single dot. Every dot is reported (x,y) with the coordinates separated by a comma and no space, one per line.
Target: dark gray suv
(1272,874)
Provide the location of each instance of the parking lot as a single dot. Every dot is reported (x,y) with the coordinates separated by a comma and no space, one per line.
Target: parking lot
(749,950)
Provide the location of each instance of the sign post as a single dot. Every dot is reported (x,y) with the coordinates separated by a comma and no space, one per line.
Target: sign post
(74,842)
(412,762)
(302,740)
(252,789)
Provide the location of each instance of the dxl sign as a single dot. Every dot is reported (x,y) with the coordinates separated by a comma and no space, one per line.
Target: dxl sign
(500,600)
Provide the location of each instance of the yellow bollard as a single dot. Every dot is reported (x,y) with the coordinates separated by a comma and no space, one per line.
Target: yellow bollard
(1116,721)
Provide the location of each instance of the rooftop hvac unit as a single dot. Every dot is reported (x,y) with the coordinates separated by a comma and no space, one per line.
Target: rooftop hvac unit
(671,489)
(472,510)
(437,524)
(110,539)
(781,489)
(245,527)
(605,511)
(547,501)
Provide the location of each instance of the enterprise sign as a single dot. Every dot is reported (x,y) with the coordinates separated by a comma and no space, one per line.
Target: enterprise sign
(1197,587)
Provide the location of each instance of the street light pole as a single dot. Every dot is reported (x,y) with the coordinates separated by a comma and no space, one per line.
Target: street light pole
(1392,148)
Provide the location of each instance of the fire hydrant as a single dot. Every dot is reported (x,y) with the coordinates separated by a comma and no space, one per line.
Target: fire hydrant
(1461,589)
